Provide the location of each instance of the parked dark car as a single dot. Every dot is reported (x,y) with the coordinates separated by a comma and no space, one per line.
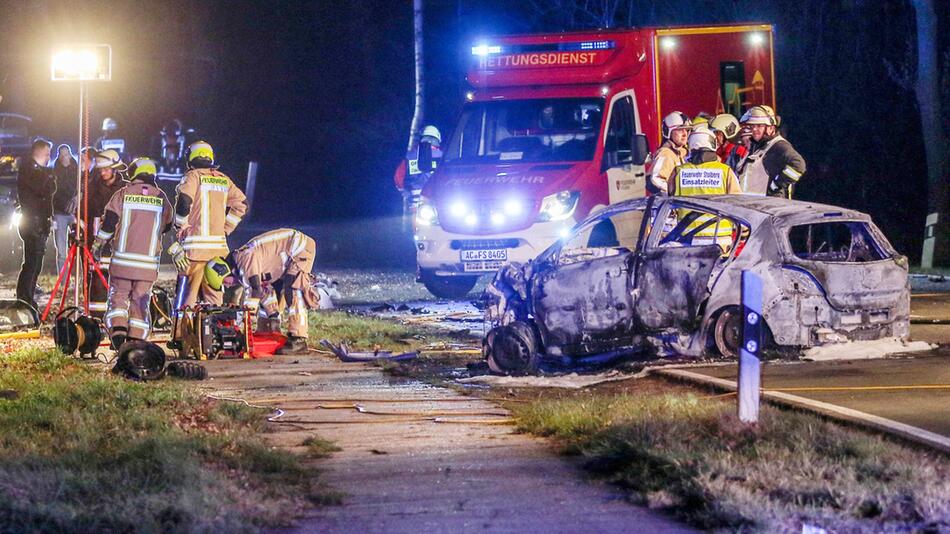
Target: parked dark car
(662,276)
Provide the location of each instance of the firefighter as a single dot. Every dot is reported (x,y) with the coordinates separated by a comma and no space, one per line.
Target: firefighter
(409,178)
(727,130)
(207,208)
(772,167)
(704,174)
(274,271)
(134,221)
(104,183)
(672,152)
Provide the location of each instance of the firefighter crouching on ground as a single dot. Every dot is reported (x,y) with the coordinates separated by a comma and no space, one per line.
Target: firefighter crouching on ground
(772,166)
(704,174)
(134,221)
(274,272)
(103,184)
(208,208)
(672,152)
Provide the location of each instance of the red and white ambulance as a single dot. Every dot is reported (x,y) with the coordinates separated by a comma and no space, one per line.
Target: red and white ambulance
(558,126)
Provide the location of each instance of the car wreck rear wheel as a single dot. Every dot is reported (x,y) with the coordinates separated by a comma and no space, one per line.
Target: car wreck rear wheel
(727,332)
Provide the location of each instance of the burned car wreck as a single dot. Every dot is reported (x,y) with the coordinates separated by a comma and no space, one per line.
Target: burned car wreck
(661,276)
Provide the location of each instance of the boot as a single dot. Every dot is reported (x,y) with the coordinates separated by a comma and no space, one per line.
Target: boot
(294,345)
(117,340)
(268,325)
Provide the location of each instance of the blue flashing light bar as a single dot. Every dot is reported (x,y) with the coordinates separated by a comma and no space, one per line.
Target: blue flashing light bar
(588,45)
(484,50)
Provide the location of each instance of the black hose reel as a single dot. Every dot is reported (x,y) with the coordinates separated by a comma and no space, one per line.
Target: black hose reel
(73,332)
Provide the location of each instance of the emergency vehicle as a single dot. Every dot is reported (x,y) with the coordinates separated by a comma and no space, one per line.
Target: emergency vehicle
(557,126)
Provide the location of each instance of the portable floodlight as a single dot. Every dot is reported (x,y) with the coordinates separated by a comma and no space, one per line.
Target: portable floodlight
(87,63)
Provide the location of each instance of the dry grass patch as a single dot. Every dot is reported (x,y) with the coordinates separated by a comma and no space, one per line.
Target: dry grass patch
(691,456)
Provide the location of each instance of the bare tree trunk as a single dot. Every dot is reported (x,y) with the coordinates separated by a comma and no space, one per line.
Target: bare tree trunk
(418,114)
(936,250)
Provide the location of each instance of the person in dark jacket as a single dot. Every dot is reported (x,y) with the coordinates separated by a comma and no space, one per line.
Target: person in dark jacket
(65,171)
(772,166)
(35,189)
(103,183)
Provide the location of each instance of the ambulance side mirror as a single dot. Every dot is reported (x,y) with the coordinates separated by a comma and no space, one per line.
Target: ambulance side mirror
(425,157)
(640,149)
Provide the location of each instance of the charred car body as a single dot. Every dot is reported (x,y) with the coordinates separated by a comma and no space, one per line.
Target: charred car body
(662,275)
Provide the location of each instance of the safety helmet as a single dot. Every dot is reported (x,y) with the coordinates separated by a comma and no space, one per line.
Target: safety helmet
(140,360)
(109,125)
(201,150)
(433,132)
(702,139)
(702,118)
(725,123)
(675,121)
(142,167)
(216,270)
(760,115)
(108,158)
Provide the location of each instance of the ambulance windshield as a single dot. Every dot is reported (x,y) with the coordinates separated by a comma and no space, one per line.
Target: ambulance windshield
(564,129)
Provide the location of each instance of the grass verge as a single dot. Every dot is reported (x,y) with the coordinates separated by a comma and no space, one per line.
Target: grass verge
(84,451)
(368,333)
(688,454)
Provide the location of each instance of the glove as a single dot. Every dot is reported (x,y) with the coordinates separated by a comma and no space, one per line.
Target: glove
(178,257)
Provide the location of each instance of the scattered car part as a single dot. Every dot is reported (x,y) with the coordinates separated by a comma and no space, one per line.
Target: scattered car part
(187,370)
(17,314)
(73,332)
(160,310)
(140,360)
(342,352)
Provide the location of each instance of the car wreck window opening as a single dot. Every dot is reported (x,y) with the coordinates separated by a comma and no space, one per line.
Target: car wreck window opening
(836,241)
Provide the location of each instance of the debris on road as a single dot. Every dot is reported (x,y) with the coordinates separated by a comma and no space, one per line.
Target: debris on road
(864,350)
(569,381)
(342,352)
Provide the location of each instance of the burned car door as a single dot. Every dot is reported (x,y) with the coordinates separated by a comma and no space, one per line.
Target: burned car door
(673,269)
(582,297)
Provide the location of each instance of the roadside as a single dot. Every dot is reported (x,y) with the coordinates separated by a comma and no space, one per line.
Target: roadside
(421,458)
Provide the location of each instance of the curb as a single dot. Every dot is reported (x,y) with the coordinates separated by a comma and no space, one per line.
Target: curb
(888,426)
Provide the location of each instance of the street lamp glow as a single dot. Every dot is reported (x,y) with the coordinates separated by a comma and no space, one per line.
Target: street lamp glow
(82,63)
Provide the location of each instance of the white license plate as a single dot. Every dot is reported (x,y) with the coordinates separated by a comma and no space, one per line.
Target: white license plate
(495,254)
(482,266)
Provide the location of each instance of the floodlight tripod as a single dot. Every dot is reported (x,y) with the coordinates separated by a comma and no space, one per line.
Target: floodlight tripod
(78,246)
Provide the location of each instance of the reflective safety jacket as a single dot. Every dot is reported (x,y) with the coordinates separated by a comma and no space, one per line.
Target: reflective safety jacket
(135,219)
(708,178)
(208,208)
(279,254)
(771,168)
(665,160)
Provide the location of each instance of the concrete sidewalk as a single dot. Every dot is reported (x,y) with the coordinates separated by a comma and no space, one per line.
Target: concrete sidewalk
(410,474)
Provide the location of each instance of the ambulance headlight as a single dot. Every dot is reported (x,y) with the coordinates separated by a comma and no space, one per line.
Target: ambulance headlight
(426,215)
(559,206)
(15,219)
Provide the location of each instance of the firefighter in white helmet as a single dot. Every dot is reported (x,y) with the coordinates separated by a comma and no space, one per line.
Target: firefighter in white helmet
(104,182)
(208,207)
(134,221)
(772,167)
(672,152)
(704,174)
(274,271)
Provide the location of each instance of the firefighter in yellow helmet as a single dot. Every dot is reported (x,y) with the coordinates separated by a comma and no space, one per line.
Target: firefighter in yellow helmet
(208,207)
(672,152)
(704,174)
(772,167)
(134,221)
(274,270)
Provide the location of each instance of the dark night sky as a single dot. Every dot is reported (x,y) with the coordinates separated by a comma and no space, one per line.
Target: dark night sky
(321,92)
